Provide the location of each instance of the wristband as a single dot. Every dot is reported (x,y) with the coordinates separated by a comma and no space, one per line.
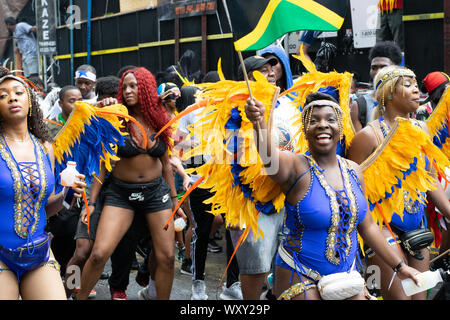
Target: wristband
(91,203)
(396,268)
(174,197)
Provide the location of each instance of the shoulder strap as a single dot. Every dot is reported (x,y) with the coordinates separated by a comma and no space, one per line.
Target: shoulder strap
(362,110)
(379,140)
(290,189)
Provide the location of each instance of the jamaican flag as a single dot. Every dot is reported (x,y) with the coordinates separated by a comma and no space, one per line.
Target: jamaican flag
(258,23)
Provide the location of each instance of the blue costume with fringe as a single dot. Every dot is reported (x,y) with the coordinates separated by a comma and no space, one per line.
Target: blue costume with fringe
(24,190)
(321,227)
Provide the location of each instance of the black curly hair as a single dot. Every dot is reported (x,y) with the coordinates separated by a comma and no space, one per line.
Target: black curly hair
(387,49)
(36,124)
(107,86)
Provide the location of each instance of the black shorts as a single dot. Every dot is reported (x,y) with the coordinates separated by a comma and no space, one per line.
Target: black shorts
(143,198)
(82,229)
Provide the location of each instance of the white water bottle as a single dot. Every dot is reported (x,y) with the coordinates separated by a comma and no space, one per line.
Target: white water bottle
(68,175)
(179,224)
(427,280)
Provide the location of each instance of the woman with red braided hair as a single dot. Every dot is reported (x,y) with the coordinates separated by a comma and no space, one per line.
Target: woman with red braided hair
(141,182)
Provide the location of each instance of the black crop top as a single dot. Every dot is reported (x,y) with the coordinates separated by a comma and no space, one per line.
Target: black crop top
(130,149)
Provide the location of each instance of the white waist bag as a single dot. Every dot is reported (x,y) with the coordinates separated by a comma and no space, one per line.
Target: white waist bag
(340,286)
(336,286)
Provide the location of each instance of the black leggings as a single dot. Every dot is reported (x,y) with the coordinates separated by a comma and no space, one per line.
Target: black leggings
(199,244)
(202,228)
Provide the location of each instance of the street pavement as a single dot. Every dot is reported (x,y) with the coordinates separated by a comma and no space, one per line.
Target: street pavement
(181,289)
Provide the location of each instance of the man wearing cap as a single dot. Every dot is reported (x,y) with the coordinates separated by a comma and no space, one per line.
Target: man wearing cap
(85,79)
(255,258)
(261,64)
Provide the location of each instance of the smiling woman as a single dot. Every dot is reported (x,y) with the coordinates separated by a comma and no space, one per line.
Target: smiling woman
(27,196)
(325,208)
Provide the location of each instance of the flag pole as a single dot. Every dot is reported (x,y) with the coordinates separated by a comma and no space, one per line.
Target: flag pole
(244,71)
(225,5)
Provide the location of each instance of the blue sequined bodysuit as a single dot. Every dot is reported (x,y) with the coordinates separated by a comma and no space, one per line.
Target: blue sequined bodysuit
(24,191)
(321,227)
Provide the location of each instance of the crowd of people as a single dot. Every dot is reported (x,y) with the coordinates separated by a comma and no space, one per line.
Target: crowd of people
(130,205)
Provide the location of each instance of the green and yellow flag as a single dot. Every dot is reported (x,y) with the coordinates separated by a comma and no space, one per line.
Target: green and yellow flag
(258,23)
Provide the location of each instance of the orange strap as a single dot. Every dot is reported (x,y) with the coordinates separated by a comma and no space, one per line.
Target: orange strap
(378,206)
(182,199)
(87,209)
(241,238)
(180,115)
(54,122)
(129,118)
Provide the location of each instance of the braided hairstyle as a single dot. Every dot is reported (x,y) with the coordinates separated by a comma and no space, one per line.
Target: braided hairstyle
(155,115)
(35,119)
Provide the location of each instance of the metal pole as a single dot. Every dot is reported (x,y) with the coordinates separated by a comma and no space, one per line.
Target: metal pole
(446,37)
(88,31)
(71,44)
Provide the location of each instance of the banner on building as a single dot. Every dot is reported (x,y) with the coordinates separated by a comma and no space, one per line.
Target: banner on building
(46,26)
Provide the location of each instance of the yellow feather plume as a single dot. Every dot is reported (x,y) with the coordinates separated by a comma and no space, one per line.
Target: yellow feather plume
(80,117)
(404,143)
(221,97)
(439,118)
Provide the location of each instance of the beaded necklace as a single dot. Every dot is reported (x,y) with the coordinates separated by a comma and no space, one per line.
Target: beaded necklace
(30,188)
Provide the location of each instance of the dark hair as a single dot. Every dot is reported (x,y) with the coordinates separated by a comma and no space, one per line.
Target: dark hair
(36,124)
(62,92)
(211,76)
(187,97)
(435,95)
(319,96)
(387,49)
(123,69)
(10,21)
(87,67)
(154,113)
(36,80)
(108,85)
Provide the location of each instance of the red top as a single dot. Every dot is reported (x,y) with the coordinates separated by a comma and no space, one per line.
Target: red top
(387,5)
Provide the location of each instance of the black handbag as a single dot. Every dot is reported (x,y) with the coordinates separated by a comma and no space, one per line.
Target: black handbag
(415,240)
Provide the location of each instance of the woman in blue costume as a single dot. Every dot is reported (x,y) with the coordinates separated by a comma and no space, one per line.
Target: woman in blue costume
(398,95)
(27,265)
(325,204)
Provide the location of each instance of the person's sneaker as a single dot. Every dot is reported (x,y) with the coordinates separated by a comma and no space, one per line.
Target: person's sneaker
(118,294)
(234,292)
(213,246)
(142,276)
(267,295)
(92,294)
(199,290)
(149,292)
(104,276)
(186,267)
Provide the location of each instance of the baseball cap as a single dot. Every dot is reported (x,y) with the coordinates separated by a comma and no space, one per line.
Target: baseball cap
(253,63)
(434,80)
